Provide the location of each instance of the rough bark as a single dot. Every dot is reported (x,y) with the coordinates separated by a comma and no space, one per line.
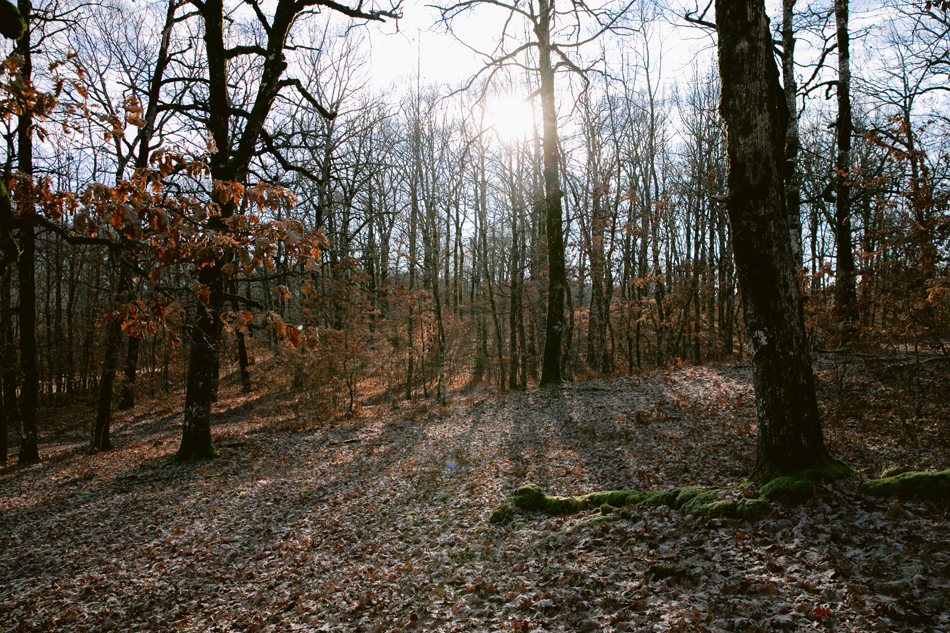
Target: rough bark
(202,368)
(230,163)
(557,274)
(789,431)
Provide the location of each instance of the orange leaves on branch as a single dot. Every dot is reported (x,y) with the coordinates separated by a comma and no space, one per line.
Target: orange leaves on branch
(227,192)
(133,112)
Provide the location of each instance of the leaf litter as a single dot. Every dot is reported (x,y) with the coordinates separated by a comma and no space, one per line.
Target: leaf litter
(379,523)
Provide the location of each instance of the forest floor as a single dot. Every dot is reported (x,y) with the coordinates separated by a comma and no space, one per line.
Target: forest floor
(380,523)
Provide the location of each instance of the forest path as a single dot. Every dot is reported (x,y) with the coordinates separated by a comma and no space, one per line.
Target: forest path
(380,523)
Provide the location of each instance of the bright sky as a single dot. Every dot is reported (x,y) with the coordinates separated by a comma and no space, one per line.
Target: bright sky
(399,49)
(418,42)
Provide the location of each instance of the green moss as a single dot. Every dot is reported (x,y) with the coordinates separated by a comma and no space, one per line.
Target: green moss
(616,498)
(751,509)
(893,471)
(791,489)
(630,515)
(829,470)
(691,498)
(12,25)
(932,485)
(531,498)
(661,498)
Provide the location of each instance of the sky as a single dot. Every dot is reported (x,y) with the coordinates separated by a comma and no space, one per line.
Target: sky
(416,42)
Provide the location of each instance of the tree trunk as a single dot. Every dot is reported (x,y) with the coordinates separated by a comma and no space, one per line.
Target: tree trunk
(202,369)
(845,278)
(100,427)
(243,360)
(99,439)
(8,361)
(789,432)
(127,395)
(557,274)
(29,387)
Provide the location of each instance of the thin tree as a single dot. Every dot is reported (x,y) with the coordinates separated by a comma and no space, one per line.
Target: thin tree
(540,19)
(845,277)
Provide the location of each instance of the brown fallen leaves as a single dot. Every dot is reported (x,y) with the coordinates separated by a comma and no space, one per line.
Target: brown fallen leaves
(381,524)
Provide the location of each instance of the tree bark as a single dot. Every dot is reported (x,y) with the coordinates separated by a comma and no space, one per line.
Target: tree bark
(557,274)
(99,439)
(202,369)
(789,431)
(845,277)
(26,266)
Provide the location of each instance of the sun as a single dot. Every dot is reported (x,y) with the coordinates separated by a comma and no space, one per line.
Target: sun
(512,118)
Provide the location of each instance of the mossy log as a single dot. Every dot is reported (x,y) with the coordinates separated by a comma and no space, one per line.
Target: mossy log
(687,499)
(531,498)
(930,485)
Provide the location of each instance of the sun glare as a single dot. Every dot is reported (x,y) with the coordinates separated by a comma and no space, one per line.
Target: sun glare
(512,119)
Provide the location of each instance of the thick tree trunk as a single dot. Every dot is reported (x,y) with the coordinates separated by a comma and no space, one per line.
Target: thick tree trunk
(202,369)
(29,376)
(557,273)
(789,432)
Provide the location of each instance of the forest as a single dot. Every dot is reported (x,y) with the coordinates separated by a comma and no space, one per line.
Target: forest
(288,343)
